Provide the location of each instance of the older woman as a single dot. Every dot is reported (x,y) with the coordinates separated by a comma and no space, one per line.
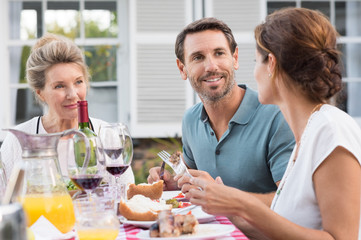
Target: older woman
(58,75)
(298,68)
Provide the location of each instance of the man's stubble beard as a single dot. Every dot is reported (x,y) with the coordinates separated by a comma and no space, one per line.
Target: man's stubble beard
(211,98)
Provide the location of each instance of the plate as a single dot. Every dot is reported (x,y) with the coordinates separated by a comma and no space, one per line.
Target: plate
(201,216)
(204,231)
(141,224)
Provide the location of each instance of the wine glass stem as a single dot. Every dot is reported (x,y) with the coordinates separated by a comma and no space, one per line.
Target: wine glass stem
(121,192)
(88,193)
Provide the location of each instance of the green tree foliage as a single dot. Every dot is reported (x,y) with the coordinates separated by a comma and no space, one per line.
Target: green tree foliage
(101,59)
(24,56)
(141,167)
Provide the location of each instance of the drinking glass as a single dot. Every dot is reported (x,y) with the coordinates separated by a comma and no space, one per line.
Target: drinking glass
(118,149)
(95,219)
(85,177)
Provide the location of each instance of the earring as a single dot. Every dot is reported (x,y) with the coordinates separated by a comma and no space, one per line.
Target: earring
(269,75)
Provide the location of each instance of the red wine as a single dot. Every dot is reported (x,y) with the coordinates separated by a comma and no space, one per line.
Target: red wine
(88,181)
(117,169)
(113,153)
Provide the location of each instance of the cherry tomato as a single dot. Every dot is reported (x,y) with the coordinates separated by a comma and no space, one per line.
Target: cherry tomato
(180,195)
(184,204)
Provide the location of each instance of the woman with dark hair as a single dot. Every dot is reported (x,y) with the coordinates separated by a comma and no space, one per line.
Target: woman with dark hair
(298,69)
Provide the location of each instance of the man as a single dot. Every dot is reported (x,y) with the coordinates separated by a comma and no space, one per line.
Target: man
(229,134)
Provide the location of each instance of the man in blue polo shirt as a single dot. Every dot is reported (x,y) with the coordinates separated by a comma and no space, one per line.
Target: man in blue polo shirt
(229,134)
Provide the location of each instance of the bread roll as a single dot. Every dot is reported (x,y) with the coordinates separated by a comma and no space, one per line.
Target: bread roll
(141,208)
(154,191)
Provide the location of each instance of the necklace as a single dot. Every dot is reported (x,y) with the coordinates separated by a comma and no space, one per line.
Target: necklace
(292,163)
(315,109)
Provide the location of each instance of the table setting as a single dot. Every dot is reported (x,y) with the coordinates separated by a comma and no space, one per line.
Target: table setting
(210,227)
(93,209)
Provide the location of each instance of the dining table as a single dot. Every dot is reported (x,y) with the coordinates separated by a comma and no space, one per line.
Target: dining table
(129,231)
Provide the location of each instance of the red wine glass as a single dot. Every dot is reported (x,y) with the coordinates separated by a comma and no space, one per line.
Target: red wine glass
(86,177)
(118,149)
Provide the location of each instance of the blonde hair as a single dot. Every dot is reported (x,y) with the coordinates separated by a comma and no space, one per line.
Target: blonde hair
(50,50)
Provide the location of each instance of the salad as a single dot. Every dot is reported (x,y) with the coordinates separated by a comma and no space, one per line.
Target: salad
(178,203)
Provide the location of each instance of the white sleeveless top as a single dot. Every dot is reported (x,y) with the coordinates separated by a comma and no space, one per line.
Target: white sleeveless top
(326,129)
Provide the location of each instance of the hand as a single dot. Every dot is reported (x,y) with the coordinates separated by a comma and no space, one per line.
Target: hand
(169,183)
(214,198)
(184,180)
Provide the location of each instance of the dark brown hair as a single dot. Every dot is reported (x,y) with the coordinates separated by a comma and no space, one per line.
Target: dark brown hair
(304,44)
(203,25)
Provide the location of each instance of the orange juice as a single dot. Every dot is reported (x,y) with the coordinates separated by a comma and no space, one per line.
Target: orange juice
(98,234)
(57,208)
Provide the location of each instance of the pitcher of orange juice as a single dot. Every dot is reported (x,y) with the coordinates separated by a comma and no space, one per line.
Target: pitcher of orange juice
(43,191)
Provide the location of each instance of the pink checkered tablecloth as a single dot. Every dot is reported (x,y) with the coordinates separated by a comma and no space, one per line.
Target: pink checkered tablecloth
(129,232)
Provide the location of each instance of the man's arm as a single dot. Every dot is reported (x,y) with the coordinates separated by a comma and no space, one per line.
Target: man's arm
(280,148)
(267,198)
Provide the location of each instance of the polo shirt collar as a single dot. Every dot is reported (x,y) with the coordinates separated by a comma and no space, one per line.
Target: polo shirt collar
(247,108)
(204,115)
(245,111)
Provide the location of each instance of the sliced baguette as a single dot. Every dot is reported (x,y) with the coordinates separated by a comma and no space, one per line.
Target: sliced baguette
(141,208)
(153,191)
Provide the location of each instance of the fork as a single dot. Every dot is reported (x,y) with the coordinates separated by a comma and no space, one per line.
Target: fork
(181,210)
(161,173)
(179,168)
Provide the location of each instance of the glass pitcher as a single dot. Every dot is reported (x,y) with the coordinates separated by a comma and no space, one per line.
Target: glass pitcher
(43,191)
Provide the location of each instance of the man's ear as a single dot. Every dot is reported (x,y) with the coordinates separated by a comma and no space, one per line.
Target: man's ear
(182,69)
(235,59)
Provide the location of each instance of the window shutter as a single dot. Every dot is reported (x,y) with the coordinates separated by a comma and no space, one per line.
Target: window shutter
(246,56)
(159,93)
(160,15)
(240,15)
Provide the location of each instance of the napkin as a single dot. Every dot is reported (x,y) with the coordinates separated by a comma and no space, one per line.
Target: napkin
(45,230)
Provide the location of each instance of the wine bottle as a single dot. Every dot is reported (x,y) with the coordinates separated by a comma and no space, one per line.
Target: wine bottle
(84,126)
